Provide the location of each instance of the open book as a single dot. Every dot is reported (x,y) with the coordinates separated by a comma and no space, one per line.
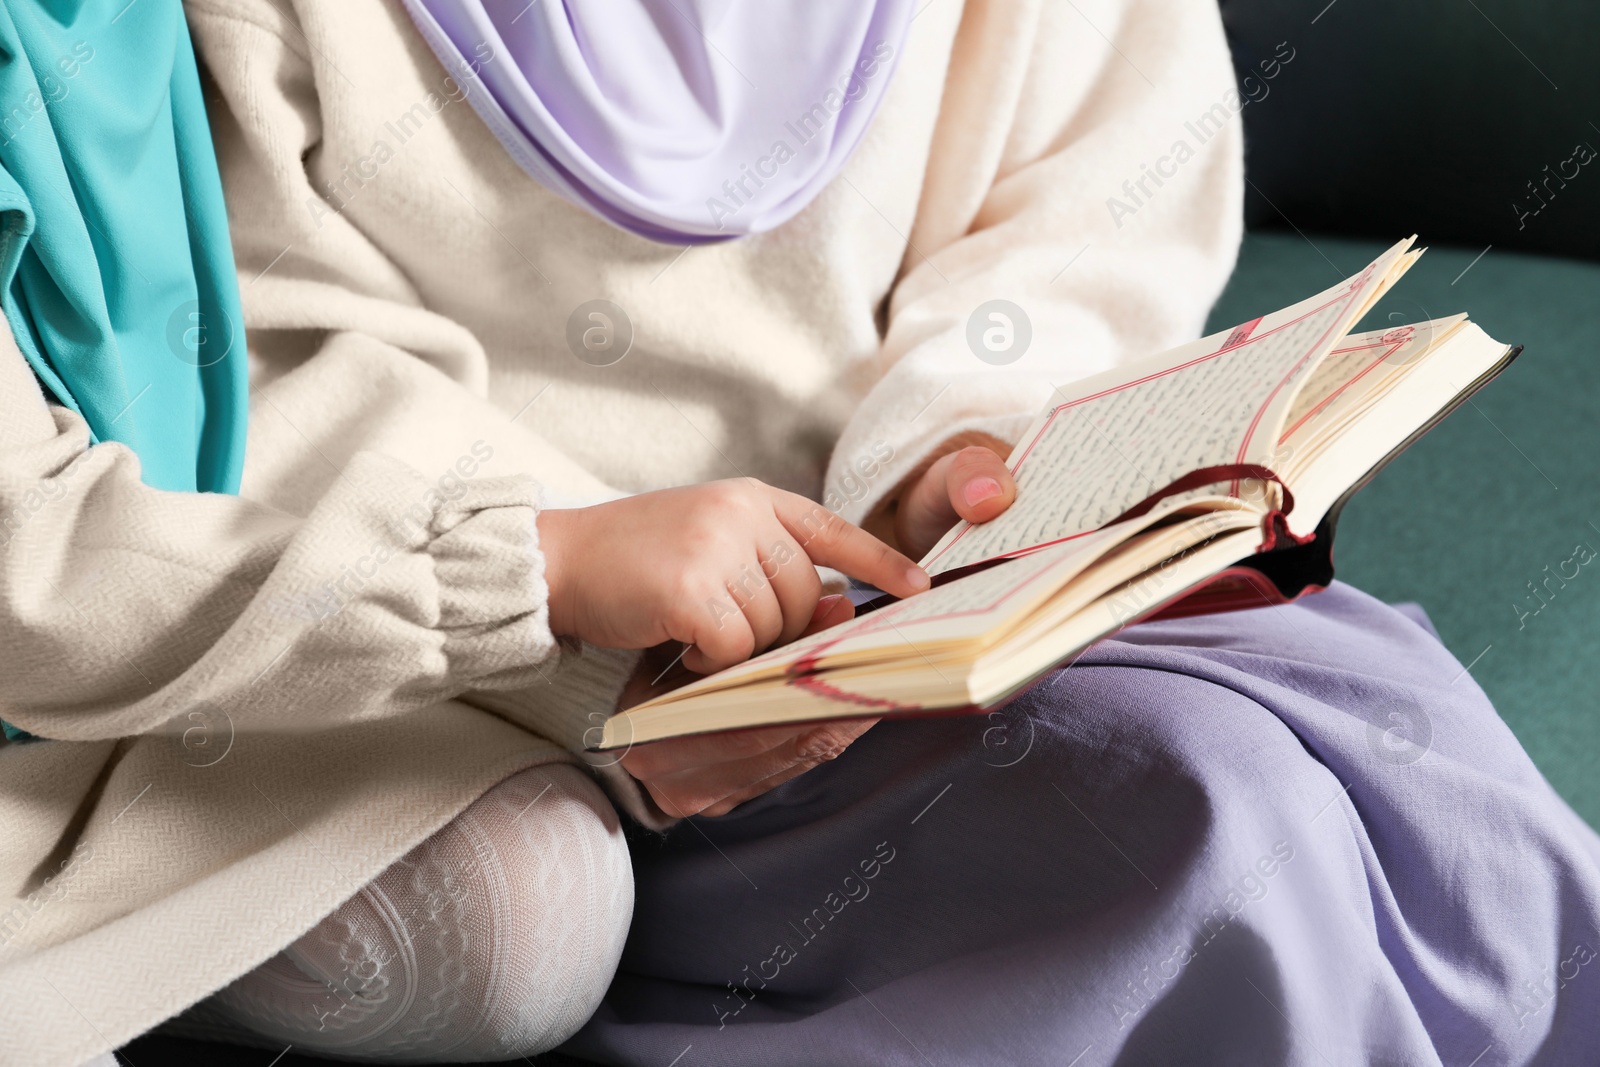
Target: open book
(1202,479)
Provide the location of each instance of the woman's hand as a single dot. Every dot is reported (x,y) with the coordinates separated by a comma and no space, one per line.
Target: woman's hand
(971,483)
(725,567)
(715,773)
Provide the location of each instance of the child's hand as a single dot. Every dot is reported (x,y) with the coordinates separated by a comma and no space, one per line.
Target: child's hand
(715,773)
(725,567)
(973,483)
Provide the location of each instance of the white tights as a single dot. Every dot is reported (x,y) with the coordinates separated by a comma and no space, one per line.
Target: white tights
(493,939)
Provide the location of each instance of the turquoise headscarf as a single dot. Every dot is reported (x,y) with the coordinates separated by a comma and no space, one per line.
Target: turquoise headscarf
(116,274)
(114,256)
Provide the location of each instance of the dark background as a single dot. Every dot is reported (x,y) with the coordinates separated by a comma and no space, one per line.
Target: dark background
(1423,116)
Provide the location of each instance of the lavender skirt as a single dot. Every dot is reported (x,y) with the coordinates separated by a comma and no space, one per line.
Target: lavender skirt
(1297,835)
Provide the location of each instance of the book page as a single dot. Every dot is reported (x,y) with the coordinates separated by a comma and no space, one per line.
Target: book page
(1022,657)
(1412,400)
(1107,443)
(1353,374)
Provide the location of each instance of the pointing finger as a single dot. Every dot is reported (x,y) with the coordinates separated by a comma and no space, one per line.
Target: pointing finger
(832,542)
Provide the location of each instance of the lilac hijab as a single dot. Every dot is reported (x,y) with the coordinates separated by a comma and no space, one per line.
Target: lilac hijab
(684,121)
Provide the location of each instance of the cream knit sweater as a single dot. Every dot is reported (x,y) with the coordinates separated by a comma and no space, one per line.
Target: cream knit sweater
(260,702)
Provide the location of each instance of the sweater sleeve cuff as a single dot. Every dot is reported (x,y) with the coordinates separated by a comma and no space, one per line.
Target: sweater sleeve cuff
(494,610)
(493,601)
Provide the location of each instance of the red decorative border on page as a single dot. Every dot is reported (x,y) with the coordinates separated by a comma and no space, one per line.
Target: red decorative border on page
(1388,347)
(802,673)
(1239,338)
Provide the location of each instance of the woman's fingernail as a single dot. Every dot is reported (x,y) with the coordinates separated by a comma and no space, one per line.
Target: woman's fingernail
(980,489)
(917,577)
